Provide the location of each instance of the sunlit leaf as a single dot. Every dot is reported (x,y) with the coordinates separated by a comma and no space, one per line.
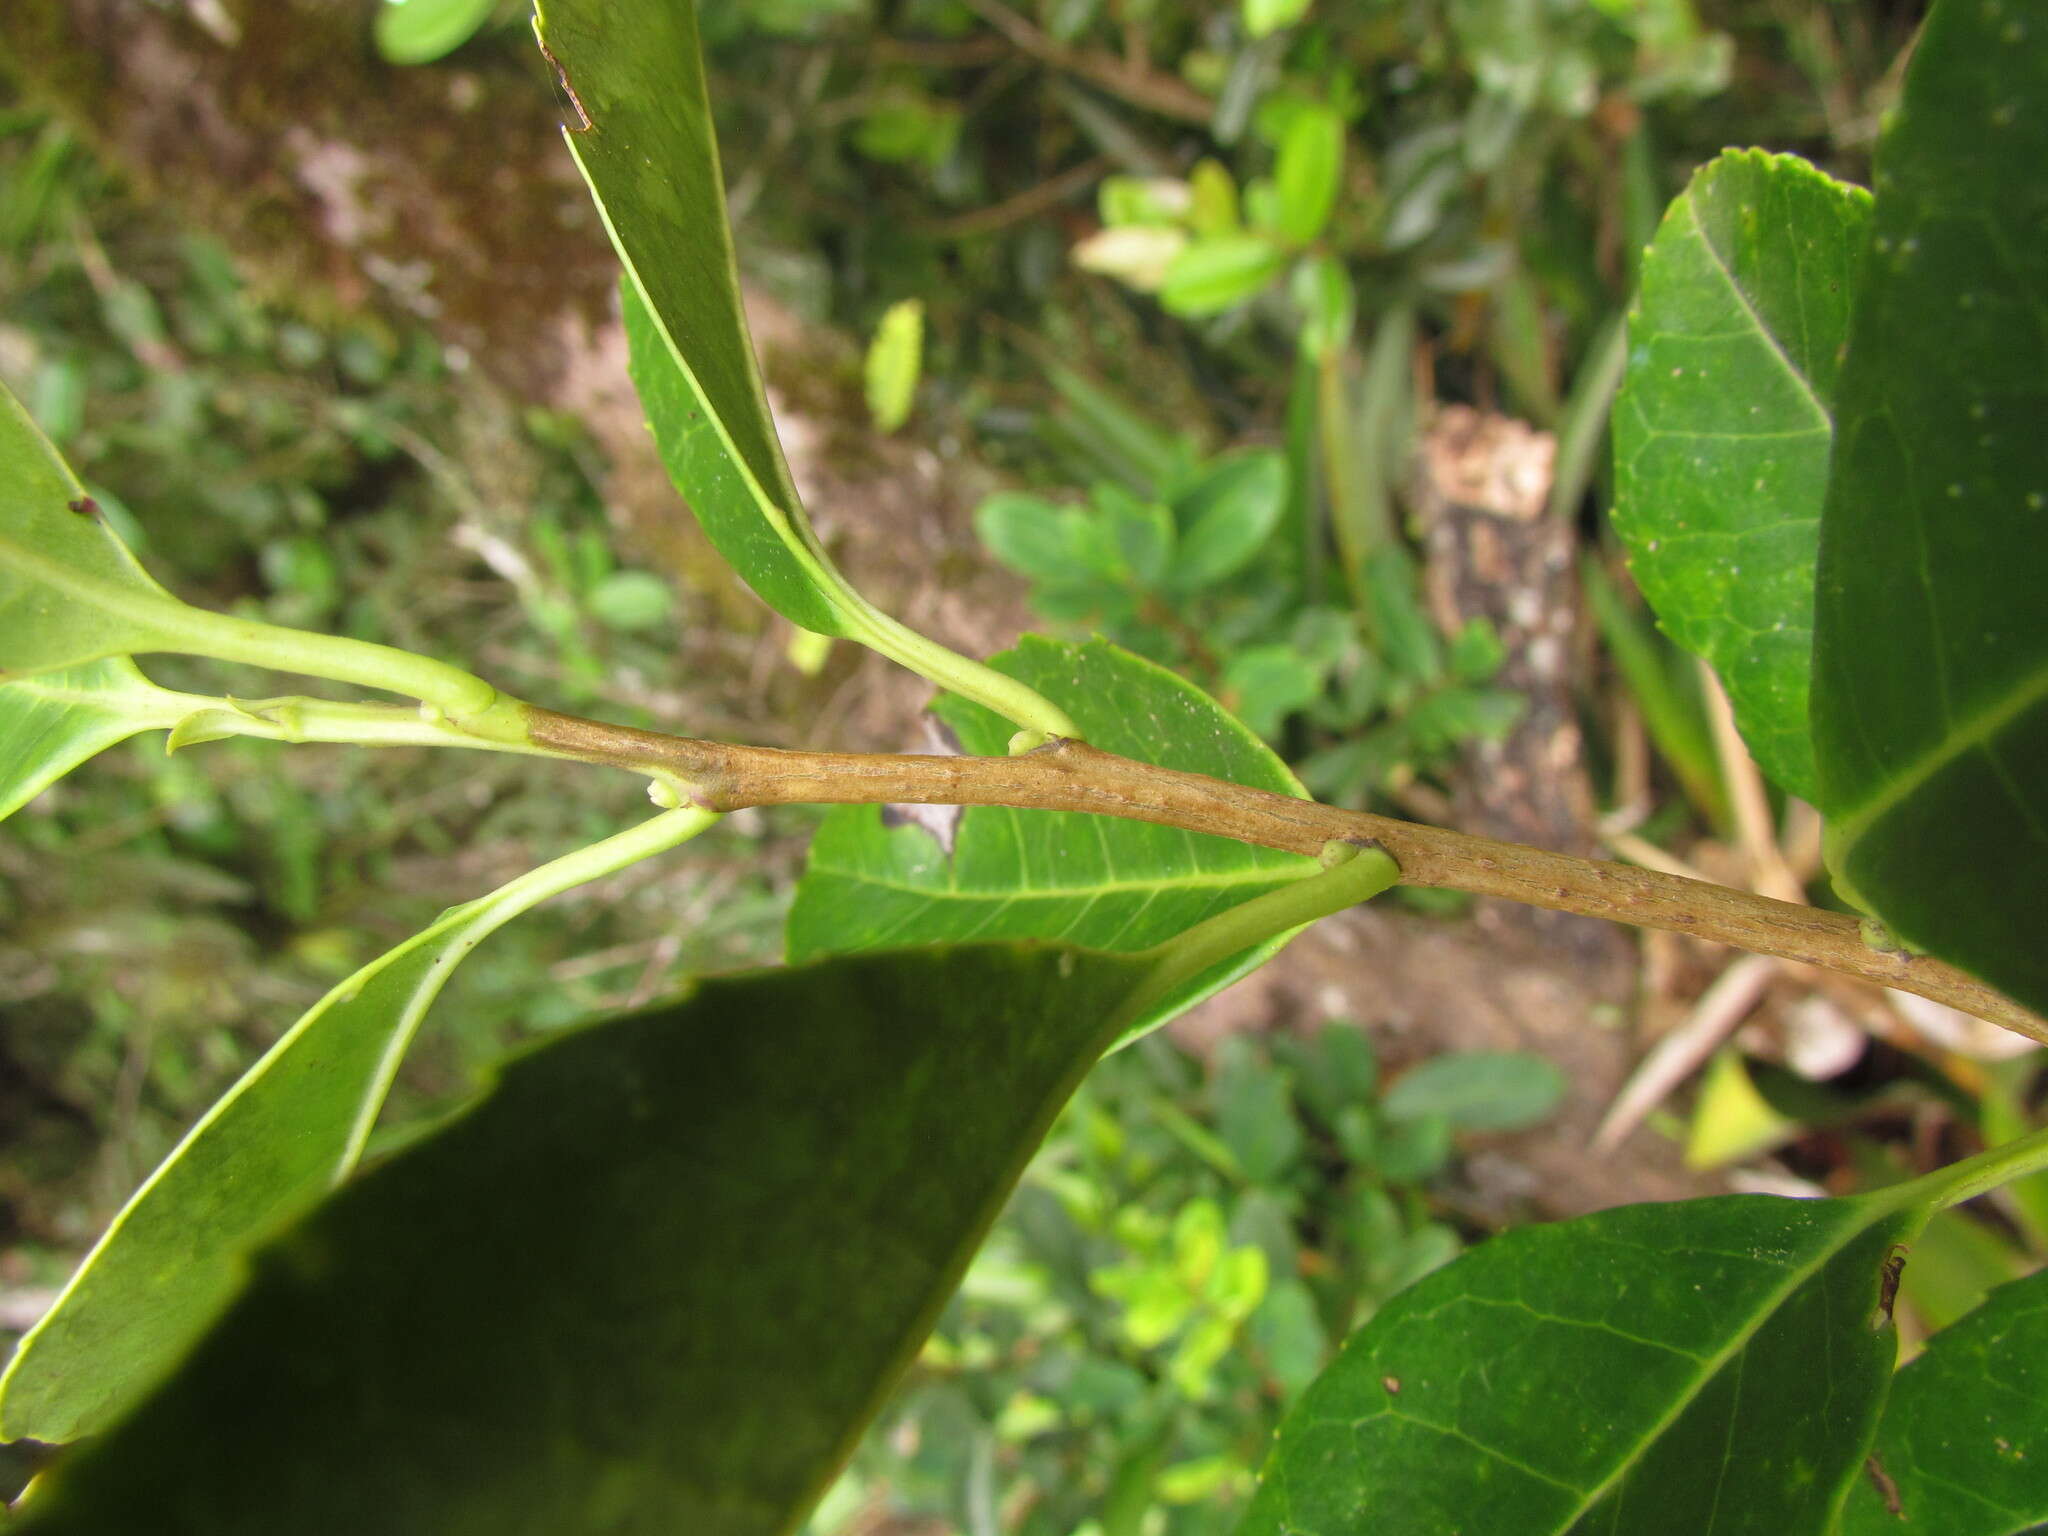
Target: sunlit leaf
(421,31)
(1308,170)
(1724,424)
(894,359)
(1219,273)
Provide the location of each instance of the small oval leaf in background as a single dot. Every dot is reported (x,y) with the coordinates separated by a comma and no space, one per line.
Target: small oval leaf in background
(1963,1446)
(1262,17)
(1724,425)
(1226,517)
(1308,171)
(1031,536)
(1095,880)
(1669,1370)
(285,1134)
(1219,273)
(53,721)
(894,360)
(1479,1090)
(1930,714)
(421,31)
(657,1280)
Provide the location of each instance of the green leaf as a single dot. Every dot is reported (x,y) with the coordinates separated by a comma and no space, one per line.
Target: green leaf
(656,1281)
(1930,712)
(632,601)
(645,144)
(1267,683)
(1255,1113)
(52,722)
(895,359)
(1724,424)
(1219,273)
(1262,17)
(1963,1446)
(1028,534)
(1479,1090)
(70,592)
(291,1128)
(1141,533)
(1308,170)
(1322,291)
(1700,1366)
(1096,880)
(421,31)
(1227,516)
(763,534)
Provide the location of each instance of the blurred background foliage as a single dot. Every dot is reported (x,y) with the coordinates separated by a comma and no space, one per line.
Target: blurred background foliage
(1187,276)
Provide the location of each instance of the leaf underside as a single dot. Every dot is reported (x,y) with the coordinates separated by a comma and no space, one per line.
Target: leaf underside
(290,1129)
(70,592)
(1094,880)
(650,155)
(1704,1367)
(1724,424)
(1931,639)
(656,1281)
(52,722)
(1963,1446)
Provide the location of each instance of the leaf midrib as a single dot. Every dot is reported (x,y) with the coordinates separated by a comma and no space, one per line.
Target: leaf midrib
(1849,826)
(1712,1366)
(1770,337)
(1277,874)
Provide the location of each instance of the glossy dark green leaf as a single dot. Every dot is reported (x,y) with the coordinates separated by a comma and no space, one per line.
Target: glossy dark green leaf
(1701,1366)
(421,31)
(1094,880)
(286,1133)
(1724,425)
(53,721)
(70,592)
(1931,638)
(1963,1446)
(655,1282)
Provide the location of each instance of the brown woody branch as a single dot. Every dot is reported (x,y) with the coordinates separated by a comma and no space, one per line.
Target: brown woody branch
(1073,776)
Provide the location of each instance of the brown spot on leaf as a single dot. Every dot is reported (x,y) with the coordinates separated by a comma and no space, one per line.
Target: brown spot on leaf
(1886,1488)
(84,506)
(1392,1384)
(1888,1283)
(582,123)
